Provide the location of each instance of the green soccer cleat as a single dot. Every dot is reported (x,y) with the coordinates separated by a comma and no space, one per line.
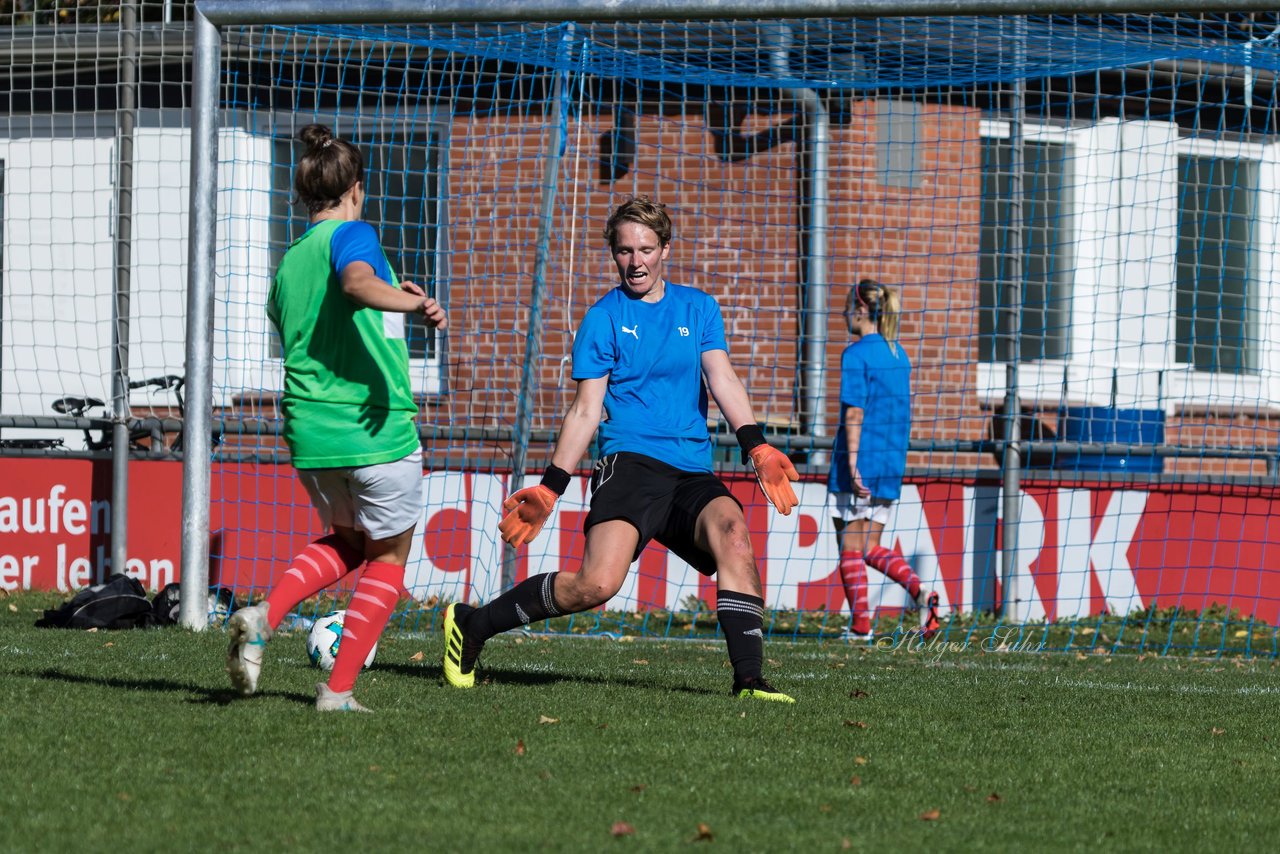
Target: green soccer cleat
(460,654)
(758,689)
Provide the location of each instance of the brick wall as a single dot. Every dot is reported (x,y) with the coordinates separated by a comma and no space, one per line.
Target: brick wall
(736,237)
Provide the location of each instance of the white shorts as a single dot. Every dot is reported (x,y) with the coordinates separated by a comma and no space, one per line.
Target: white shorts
(381,500)
(845,507)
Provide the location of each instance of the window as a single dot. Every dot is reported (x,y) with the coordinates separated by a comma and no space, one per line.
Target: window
(403,184)
(1046,258)
(404,181)
(1216,314)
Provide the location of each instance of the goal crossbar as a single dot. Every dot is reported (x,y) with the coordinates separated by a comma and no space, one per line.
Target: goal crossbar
(234,12)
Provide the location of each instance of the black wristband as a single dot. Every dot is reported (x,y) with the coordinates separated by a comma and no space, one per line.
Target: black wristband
(555,479)
(750,437)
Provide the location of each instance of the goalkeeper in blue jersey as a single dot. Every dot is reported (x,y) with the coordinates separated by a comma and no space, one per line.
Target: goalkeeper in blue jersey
(869,456)
(644,358)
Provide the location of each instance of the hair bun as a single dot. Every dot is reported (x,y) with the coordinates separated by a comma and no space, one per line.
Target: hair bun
(316,137)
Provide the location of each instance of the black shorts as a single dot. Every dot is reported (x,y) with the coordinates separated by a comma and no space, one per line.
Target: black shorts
(662,502)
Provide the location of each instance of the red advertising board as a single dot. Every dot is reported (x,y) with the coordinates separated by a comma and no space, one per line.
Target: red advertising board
(1082,548)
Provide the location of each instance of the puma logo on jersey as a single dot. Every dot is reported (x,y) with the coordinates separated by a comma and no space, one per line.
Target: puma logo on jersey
(632,331)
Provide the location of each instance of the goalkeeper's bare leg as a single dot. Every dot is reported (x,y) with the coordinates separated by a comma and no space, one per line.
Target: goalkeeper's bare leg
(605,564)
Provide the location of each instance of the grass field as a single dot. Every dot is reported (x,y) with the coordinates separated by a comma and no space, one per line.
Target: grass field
(133,739)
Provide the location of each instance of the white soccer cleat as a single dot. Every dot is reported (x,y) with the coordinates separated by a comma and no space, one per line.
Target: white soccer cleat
(336,701)
(249,633)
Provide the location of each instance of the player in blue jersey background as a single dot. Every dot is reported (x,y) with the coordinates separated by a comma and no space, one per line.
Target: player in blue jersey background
(869,455)
(645,358)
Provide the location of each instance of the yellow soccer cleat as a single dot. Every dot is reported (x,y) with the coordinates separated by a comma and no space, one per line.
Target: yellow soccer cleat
(758,689)
(459,654)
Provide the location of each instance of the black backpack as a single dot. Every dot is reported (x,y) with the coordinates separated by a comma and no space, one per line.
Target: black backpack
(164,608)
(118,603)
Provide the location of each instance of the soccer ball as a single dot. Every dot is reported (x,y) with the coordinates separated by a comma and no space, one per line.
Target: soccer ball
(324,638)
(220,605)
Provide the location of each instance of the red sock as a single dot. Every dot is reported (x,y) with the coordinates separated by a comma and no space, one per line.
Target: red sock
(853,573)
(315,568)
(377,592)
(896,568)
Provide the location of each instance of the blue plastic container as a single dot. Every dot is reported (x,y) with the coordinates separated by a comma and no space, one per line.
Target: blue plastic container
(1112,426)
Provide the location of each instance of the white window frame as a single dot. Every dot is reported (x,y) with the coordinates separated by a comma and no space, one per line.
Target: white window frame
(1039,381)
(1191,390)
(428,376)
(1125,182)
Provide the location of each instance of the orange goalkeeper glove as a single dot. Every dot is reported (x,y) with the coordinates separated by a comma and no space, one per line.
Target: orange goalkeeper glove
(528,509)
(775,473)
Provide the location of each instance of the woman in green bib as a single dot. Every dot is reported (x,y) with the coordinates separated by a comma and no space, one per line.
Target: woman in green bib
(348,417)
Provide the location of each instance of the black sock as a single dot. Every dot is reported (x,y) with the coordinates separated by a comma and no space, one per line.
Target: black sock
(528,602)
(741,617)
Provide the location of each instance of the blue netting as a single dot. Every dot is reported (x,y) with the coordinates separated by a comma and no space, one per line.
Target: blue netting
(845,53)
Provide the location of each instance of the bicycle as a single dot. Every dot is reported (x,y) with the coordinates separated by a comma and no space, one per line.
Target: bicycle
(144,434)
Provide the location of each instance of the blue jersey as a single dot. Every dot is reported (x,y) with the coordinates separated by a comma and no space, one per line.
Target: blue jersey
(877,379)
(656,400)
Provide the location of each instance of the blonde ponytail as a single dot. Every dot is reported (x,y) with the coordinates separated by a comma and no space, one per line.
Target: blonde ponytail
(884,308)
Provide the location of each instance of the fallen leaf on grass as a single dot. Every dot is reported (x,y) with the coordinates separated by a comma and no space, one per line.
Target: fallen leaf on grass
(859,760)
(639,661)
(543,719)
(621,828)
(1217,731)
(639,788)
(124,796)
(13,607)
(846,844)
(1242,633)
(857,724)
(858,694)
(417,656)
(824,807)
(1080,656)
(993,798)
(519,747)
(108,645)
(855,780)
(375,768)
(704,834)
(931,815)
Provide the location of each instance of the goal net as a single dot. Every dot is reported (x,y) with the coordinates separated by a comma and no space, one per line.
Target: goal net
(1078,212)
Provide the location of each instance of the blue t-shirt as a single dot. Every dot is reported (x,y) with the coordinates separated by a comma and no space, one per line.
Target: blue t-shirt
(656,400)
(358,241)
(876,379)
